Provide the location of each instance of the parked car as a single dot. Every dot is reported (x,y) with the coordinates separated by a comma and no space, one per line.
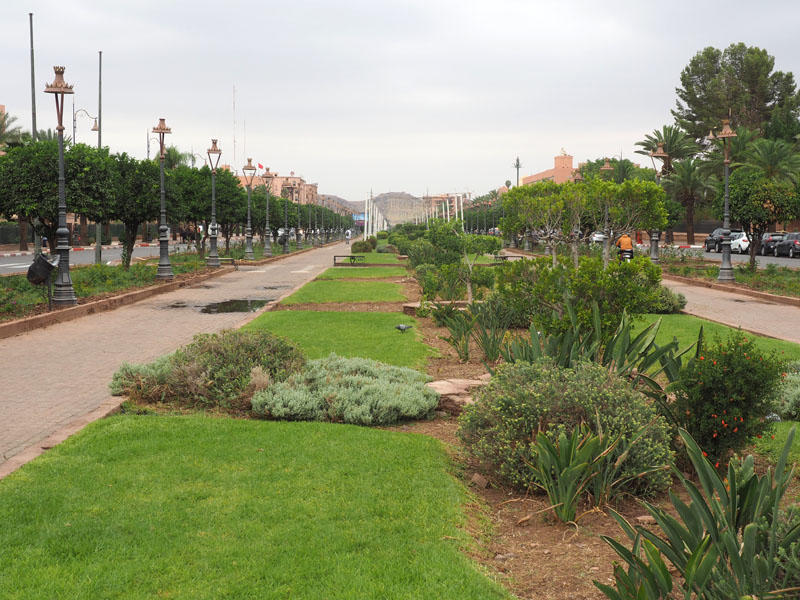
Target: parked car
(597,237)
(713,242)
(768,241)
(788,246)
(740,242)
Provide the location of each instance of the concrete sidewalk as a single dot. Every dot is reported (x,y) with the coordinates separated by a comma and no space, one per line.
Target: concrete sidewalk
(737,310)
(55,380)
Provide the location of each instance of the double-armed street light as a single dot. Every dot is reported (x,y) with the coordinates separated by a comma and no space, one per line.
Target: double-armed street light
(64,293)
(75,114)
(214,154)
(726,270)
(655,234)
(249,171)
(267,178)
(164,270)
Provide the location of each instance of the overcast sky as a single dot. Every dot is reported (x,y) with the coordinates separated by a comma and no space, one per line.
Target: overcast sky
(369,94)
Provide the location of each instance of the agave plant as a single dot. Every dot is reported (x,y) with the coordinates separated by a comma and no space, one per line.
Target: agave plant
(726,543)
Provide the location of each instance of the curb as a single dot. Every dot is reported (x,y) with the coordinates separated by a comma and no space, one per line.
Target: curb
(26,324)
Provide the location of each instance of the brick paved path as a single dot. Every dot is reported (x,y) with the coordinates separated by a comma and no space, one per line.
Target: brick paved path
(55,380)
(780,321)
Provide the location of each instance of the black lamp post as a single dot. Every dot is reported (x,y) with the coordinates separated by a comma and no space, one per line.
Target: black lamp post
(249,171)
(164,268)
(267,177)
(286,226)
(726,270)
(64,293)
(214,154)
(655,234)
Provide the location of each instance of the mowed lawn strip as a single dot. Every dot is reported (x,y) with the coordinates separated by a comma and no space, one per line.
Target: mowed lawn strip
(201,508)
(363,272)
(773,446)
(350,334)
(317,292)
(686,328)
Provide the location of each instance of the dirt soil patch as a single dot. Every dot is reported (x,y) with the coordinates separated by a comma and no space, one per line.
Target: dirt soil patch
(531,553)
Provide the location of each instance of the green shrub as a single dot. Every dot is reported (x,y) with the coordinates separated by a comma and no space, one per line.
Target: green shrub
(667,302)
(533,291)
(372,241)
(382,235)
(360,247)
(789,399)
(427,277)
(442,311)
(213,371)
(523,400)
(388,249)
(459,324)
(723,396)
(348,390)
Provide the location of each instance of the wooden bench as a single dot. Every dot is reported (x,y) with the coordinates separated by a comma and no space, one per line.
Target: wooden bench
(226,260)
(507,257)
(348,259)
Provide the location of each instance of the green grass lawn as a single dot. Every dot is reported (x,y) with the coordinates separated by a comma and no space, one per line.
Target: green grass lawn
(380,257)
(362,272)
(346,291)
(195,508)
(686,328)
(368,335)
(772,447)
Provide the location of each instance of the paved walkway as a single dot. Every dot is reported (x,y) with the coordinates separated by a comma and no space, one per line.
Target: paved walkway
(55,380)
(780,321)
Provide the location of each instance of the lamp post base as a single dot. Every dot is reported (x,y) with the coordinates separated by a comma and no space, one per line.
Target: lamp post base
(212,260)
(654,236)
(164,270)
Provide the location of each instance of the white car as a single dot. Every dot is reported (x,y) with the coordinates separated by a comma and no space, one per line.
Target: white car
(597,237)
(740,242)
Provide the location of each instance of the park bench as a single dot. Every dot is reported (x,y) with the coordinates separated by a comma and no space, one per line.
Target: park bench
(352,259)
(227,260)
(507,257)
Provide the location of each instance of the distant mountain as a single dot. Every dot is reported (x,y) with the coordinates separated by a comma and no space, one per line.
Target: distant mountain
(398,207)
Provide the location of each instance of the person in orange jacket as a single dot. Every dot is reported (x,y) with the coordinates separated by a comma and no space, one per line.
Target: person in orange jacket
(624,242)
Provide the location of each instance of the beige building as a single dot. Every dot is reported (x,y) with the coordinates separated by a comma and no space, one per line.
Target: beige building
(561,172)
(447,204)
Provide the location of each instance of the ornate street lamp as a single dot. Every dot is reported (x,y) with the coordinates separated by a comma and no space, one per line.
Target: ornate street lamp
(214,154)
(267,178)
(249,171)
(64,294)
(285,225)
(726,270)
(655,234)
(164,268)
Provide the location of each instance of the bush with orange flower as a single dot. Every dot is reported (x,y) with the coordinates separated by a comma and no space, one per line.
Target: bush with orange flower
(725,394)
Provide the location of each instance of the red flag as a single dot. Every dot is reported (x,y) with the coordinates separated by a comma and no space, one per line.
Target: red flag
(260,166)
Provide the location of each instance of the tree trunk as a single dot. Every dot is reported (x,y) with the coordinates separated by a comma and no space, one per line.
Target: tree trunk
(690,221)
(606,252)
(84,231)
(554,255)
(574,247)
(23,235)
(130,242)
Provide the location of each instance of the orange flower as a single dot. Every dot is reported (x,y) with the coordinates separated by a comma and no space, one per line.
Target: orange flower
(735,429)
(705,453)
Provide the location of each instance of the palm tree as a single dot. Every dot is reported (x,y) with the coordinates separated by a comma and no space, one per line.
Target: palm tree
(677,144)
(174,157)
(776,160)
(688,184)
(9,133)
(737,150)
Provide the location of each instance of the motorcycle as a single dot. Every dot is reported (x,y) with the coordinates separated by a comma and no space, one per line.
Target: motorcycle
(626,255)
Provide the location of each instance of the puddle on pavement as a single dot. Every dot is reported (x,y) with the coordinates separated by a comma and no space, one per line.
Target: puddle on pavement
(202,286)
(276,287)
(240,305)
(177,305)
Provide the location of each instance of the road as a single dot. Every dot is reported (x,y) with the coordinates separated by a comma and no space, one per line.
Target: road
(762,261)
(20,264)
